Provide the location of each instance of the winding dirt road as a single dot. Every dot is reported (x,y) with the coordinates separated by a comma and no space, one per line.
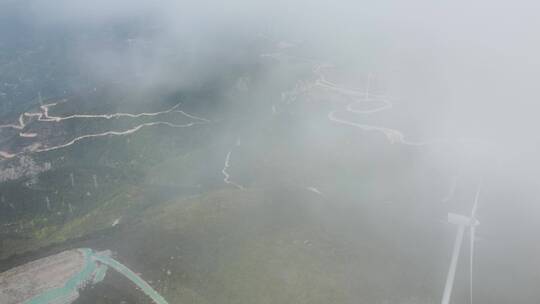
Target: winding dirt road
(44,116)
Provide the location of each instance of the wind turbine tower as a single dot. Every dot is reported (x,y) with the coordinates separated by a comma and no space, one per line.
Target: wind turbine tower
(463,222)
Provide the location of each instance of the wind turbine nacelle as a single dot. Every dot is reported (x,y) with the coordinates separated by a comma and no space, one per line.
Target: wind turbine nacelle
(462,220)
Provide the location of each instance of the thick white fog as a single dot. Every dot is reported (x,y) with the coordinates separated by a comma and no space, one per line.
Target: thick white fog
(433,100)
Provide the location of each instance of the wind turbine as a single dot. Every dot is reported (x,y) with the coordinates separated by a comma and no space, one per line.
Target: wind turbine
(463,222)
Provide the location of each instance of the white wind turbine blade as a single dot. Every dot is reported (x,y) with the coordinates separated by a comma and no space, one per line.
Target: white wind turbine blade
(475,206)
(474,222)
(471,264)
(453,265)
